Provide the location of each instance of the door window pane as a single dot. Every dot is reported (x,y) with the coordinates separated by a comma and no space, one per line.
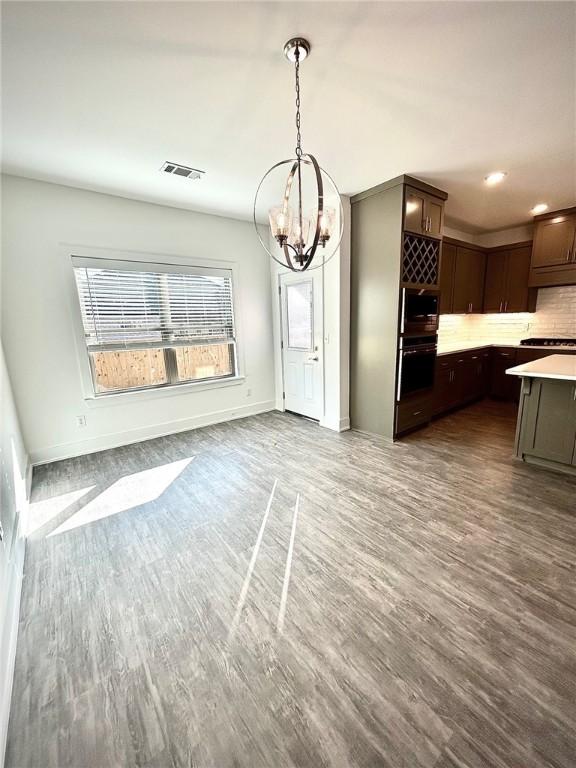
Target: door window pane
(299,315)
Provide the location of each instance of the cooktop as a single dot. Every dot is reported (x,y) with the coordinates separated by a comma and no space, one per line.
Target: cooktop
(548,342)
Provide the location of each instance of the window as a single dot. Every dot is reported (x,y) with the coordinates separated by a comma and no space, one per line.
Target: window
(299,315)
(153,325)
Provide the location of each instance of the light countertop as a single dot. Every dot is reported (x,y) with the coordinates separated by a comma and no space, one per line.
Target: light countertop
(451,349)
(463,346)
(551,367)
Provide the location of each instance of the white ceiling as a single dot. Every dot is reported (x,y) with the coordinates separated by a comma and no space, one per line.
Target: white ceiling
(99,95)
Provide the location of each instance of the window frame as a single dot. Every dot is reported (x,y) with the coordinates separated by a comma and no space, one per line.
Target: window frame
(100,258)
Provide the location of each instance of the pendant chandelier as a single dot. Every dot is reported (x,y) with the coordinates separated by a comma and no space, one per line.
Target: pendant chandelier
(307,223)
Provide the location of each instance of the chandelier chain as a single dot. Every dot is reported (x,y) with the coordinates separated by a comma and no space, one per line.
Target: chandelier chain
(298,136)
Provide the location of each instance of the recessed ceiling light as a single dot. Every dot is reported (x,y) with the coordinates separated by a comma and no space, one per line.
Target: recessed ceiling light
(540,208)
(495,177)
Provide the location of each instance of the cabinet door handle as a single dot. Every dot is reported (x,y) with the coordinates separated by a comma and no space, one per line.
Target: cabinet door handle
(500,310)
(506,306)
(416,413)
(568,254)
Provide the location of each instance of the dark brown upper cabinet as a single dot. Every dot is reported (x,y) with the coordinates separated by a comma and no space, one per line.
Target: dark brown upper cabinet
(447,274)
(423,213)
(554,249)
(496,280)
(554,241)
(469,281)
(506,286)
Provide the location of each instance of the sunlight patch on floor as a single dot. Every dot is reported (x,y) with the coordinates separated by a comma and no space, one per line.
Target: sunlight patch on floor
(42,512)
(126,493)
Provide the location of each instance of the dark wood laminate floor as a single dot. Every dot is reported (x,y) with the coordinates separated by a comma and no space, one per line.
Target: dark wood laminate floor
(419,611)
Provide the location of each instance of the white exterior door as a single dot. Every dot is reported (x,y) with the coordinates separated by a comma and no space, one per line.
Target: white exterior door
(302,360)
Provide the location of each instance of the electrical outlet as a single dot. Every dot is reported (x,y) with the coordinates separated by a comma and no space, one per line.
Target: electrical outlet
(80,421)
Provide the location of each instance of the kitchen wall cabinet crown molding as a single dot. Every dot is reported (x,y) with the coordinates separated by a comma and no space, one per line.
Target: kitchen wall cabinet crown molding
(398,181)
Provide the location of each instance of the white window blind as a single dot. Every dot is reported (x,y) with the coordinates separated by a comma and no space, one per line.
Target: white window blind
(153,325)
(129,308)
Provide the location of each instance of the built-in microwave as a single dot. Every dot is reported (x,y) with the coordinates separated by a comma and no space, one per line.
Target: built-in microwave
(420,310)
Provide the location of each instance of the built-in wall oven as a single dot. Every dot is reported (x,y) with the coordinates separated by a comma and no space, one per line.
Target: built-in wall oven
(416,364)
(420,311)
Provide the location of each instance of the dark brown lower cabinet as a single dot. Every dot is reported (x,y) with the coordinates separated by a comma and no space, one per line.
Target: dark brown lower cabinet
(413,412)
(460,379)
(464,377)
(502,386)
(444,388)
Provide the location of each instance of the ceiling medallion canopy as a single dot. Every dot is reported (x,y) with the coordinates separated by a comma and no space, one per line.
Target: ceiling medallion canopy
(309,216)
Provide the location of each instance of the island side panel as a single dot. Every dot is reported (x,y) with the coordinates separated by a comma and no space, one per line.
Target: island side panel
(547,429)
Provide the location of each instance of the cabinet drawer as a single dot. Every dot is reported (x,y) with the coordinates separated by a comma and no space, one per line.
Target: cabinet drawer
(446,362)
(414,412)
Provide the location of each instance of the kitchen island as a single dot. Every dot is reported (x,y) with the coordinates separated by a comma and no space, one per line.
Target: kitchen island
(546,428)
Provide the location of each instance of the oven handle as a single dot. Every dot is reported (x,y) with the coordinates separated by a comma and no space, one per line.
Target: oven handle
(420,351)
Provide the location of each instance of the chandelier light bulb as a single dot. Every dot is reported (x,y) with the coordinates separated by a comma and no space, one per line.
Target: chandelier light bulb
(280,219)
(327,225)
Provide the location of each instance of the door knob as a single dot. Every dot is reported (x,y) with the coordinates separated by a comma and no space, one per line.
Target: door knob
(314,358)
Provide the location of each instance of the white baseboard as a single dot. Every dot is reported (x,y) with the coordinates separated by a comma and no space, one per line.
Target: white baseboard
(337,425)
(9,639)
(117,439)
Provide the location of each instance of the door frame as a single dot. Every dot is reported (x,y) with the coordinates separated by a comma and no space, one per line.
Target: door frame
(317,313)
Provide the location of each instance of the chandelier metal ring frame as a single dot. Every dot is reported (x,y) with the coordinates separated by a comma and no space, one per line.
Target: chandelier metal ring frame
(309,255)
(292,243)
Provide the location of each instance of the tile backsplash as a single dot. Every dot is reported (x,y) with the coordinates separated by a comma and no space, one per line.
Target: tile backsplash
(555,316)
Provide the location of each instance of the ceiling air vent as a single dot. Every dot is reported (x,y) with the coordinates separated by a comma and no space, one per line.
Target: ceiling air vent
(182,170)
